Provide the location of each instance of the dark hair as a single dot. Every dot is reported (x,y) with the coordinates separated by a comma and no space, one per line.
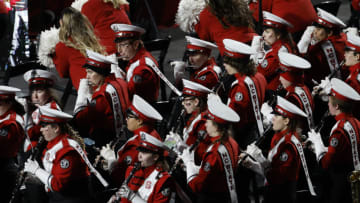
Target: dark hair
(344,106)
(202,102)
(335,30)
(286,37)
(242,65)
(225,129)
(231,12)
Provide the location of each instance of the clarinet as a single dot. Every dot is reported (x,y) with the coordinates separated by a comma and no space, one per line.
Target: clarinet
(331,75)
(22,175)
(127,180)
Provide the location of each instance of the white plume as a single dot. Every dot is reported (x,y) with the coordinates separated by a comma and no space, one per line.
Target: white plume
(48,41)
(188,14)
(78,4)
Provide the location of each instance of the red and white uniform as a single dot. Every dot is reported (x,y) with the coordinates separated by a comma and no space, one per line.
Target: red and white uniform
(285,160)
(102,16)
(97,120)
(239,98)
(269,66)
(316,56)
(295,94)
(128,155)
(33,129)
(193,131)
(339,149)
(292,11)
(207,75)
(67,168)
(69,63)
(152,184)
(141,78)
(356,5)
(217,33)
(211,180)
(11,134)
(354,77)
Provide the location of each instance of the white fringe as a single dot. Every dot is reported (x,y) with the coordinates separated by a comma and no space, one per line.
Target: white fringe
(78,4)
(188,14)
(48,41)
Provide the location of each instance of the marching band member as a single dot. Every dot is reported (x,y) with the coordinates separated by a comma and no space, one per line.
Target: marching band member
(151,182)
(202,67)
(102,14)
(323,46)
(276,36)
(75,35)
(292,79)
(282,165)
(11,138)
(247,91)
(141,66)
(195,97)
(352,61)
(40,84)
(141,117)
(214,181)
(102,101)
(228,19)
(342,155)
(64,169)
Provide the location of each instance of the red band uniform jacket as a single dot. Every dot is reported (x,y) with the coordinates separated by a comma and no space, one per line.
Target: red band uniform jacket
(96,120)
(141,78)
(207,75)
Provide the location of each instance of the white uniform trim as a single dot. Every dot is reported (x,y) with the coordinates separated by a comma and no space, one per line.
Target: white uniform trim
(191,127)
(330,54)
(148,186)
(306,103)
(273,151)
(299,148)
(116,107)
(255,103)
(230,178)
(354,144)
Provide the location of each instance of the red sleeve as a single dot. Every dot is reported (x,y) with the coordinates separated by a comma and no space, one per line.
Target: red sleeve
(356,5)
(202,27)
(61,60)
(239,98)
(269,65)
(3,9)
(283,168)
(66,169)
(335,152)
(198,182)
(163,190)
(209,79)
(11,137)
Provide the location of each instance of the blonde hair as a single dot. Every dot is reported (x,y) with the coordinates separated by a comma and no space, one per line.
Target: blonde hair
(117,3)
(77,32)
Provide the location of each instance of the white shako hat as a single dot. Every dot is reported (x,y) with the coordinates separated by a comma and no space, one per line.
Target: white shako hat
(275,21)
(292,66)
(198,45)
(49,115)
(141,109)
(40,77)
(149,143)
(328,20)
(7,92)
(288,109)
(220,113)
(195,89)
(343,91)
(126,31)
(353,42)
(236,49)
(98,62)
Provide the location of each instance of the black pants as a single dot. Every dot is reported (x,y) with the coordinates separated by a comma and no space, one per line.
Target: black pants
(8,177)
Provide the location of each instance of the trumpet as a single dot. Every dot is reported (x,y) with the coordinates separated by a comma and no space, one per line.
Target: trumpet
(354,180)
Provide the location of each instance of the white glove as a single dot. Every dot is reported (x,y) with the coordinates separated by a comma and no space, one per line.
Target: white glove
(84,95)
(126,192)
(107,153)
(255,152)
(257,44)
(351,31)
(324,87)
(34,168)
(266,111)
(318,145)
(253,165)
(31,166)
(179,69)
(305,40)
(187,156)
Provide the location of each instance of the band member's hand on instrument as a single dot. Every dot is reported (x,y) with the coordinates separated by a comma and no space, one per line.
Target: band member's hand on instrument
(33,167)
(318,144)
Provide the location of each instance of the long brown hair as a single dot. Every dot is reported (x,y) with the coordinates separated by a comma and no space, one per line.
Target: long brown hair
(242,65)
(231,12)
(77,32)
